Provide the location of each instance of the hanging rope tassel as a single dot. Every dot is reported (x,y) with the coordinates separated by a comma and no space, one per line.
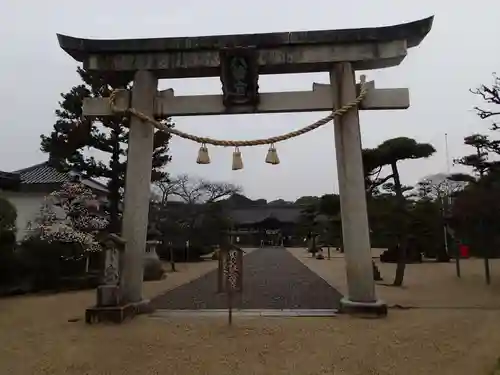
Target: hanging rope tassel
(272,155)
(237,159)
(203,157)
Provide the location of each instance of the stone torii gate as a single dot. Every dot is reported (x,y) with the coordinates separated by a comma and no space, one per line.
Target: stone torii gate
(339,52)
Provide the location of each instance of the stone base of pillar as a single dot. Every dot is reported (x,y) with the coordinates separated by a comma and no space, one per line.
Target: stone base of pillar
(113,314)
(117,314)
(377,309)
(143,307)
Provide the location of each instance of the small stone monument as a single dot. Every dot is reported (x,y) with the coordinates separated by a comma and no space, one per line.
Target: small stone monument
(109,305)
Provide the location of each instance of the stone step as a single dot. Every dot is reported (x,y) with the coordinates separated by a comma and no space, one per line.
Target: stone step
(164,313)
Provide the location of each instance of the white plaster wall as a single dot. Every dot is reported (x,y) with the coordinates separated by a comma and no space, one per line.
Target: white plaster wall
(27,206)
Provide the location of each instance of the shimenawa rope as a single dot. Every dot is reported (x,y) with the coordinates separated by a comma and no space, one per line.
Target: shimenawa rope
(272,155)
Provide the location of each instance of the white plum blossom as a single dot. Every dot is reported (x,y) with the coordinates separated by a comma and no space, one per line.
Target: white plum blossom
(77,220)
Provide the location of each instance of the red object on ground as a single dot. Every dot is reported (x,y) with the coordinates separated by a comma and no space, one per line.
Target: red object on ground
(464,251)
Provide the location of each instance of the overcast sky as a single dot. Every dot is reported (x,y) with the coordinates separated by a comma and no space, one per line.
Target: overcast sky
(460,52)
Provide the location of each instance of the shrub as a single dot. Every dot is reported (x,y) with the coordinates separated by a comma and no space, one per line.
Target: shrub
(8,260)
(48,263)
(8,216)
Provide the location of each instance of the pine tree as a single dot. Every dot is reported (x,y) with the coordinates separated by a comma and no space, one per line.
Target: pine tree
(97,147)
(478,161)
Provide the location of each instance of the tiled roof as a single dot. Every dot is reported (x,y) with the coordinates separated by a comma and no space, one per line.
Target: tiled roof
(259,214)
(45,174)
(252,215)
(42,174)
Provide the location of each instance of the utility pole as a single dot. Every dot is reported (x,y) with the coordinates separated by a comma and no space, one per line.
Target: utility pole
(446,209)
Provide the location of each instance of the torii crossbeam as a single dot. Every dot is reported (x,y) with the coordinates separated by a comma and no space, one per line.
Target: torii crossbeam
(166,103)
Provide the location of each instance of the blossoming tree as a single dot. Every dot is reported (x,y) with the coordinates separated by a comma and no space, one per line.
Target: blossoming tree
(70,216)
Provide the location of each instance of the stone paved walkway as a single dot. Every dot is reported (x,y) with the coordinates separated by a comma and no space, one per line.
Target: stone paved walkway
(272,279)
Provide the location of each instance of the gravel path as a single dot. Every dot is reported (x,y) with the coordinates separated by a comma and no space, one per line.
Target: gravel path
(272,279)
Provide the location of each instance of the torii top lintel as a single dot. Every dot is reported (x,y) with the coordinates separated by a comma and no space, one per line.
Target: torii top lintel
(283,52)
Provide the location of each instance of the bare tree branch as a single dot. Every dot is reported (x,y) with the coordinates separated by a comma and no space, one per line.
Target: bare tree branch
(195,191)
(377,182)
(490,95)
(167,186)
(215,191)
(439,187)
(189,190)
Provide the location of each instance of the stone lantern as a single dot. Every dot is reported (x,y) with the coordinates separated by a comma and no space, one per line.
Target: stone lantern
(153,268)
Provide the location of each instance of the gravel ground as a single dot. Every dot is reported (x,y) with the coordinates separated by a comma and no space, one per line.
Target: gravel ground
(36,337)
(272,279)
(431,284)
(407,342)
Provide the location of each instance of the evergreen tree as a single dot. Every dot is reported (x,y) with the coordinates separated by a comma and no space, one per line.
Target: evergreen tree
(390,153)
(478,161)
(97,147)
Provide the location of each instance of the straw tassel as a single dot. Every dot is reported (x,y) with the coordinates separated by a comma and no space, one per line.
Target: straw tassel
(272,155)
(237,159)
(203,157)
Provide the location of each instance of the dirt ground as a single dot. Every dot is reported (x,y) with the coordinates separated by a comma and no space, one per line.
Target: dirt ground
(36,337)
